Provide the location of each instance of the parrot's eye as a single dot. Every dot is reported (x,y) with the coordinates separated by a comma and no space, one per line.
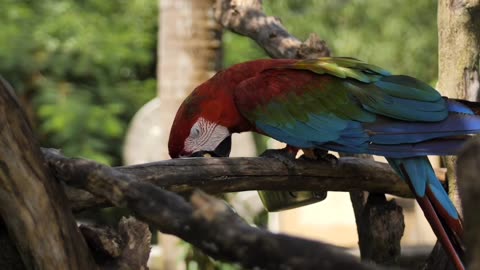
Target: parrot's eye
(195,131)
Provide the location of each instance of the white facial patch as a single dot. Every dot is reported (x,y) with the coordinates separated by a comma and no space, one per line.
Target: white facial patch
(205,136)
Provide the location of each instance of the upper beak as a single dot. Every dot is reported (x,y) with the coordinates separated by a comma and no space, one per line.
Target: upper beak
(222,150)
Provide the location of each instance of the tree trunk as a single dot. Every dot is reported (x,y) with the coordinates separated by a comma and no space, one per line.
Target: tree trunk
(189,53)
(459,56)
(458,63)
(32,203)
(459,48)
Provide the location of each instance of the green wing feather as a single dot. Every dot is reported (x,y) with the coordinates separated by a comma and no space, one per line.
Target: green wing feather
(342,67)
(378,90)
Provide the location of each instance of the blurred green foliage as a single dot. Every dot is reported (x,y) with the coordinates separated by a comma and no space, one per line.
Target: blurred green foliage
(83,67)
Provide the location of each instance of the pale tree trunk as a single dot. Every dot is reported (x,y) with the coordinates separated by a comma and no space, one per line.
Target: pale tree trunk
(459,54)
(189,53)
(458,63)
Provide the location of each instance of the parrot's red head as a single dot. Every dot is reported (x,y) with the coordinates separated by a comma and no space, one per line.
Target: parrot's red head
(208,116)
(199,125)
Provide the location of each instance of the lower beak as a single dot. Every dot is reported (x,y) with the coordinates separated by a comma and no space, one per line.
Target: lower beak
(222,150)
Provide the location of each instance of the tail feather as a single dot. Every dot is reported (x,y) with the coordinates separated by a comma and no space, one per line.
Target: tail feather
(454,226)
(451,244)
(391,131)
(435,203)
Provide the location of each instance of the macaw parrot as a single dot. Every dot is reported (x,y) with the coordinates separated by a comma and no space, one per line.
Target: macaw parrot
(339,104)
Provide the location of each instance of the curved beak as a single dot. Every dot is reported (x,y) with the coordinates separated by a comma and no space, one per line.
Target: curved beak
(222,150)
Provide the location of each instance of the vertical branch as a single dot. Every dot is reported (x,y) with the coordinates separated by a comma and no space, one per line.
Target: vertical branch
(32,203)
(380,225)
(382,229)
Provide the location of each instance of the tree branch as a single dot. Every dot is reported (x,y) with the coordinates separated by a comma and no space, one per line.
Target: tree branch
(246,17)
(220,175)
(205,222)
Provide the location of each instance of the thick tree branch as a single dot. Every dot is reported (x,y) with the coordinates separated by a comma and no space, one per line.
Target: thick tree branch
(216,175)
(205,222)
(246,17)
(34,207)
(219,175)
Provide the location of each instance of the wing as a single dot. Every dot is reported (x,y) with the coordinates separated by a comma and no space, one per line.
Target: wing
(346,105)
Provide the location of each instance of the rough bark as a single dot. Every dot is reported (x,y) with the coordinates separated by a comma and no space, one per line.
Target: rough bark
(380,225)
(246,17)
(32,204)
(459,48)
(127,247)
(380,228)
(205,222)
(469,187)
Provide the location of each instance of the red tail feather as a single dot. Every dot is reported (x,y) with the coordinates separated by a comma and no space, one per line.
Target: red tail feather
(447,229)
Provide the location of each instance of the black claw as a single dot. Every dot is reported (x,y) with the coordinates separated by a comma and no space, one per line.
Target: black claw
(323,156)
(333,160)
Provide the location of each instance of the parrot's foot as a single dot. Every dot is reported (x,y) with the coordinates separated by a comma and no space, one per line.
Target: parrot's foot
(321,155)
(285,155)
